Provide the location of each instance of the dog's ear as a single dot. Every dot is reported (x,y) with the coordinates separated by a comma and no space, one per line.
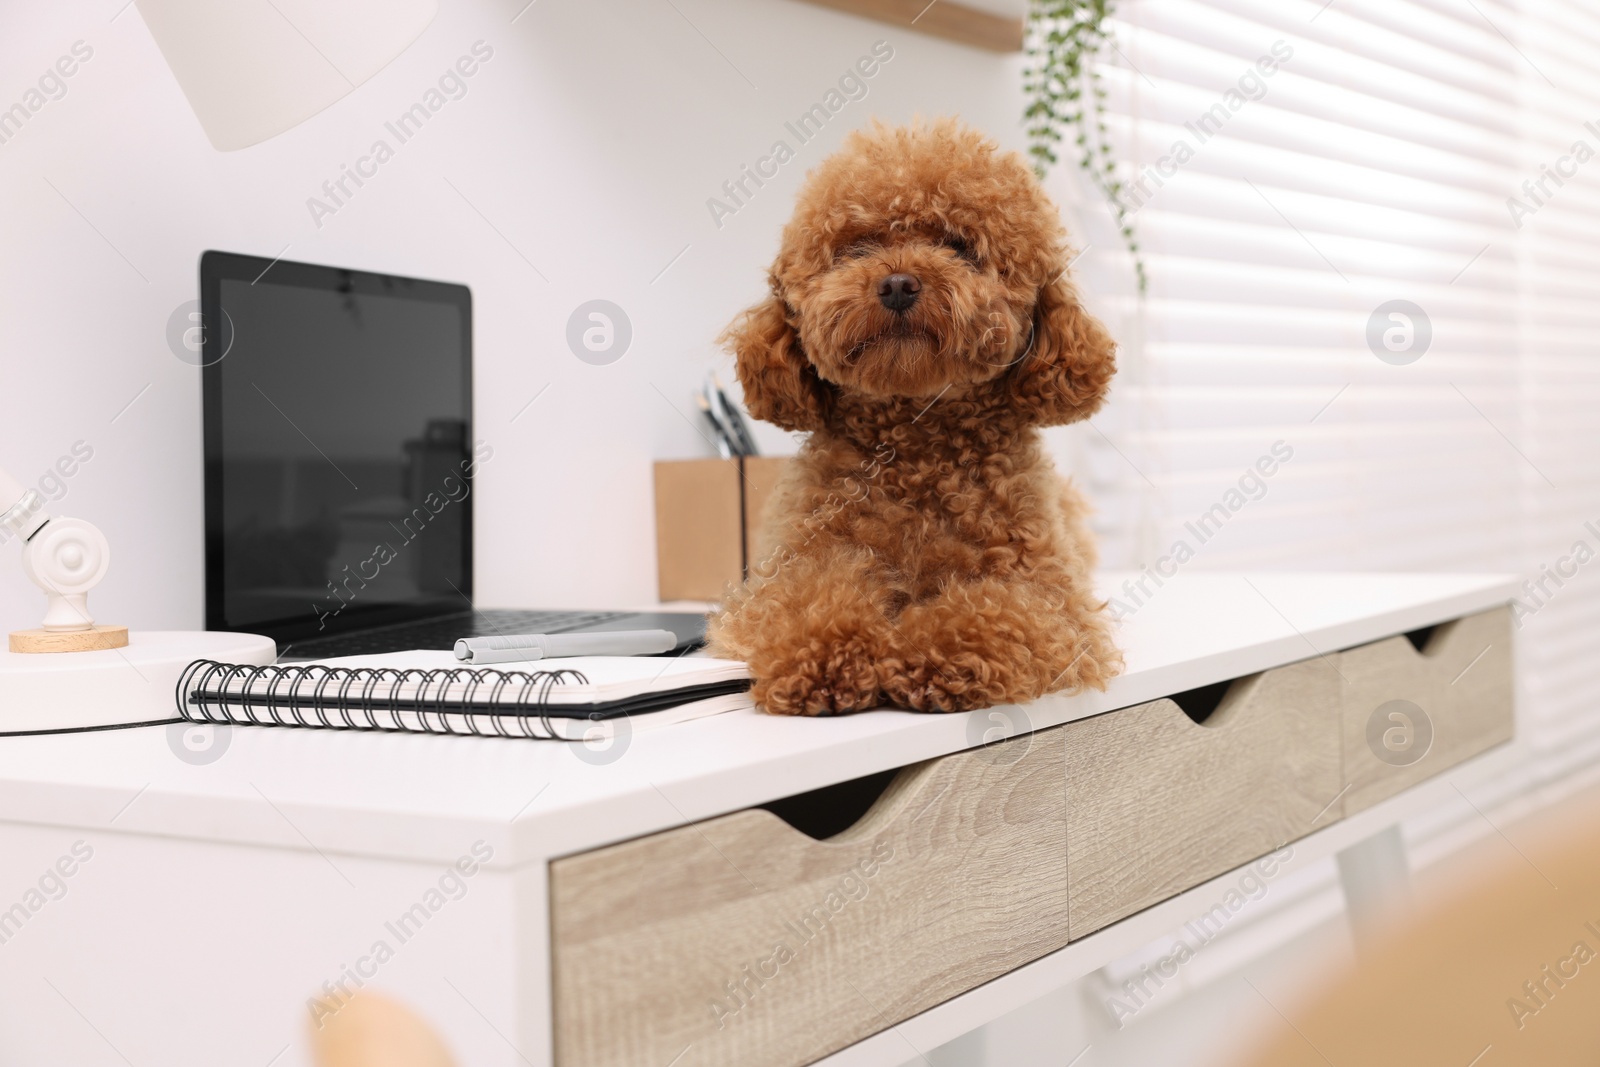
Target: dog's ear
(1068,368)
(780,384)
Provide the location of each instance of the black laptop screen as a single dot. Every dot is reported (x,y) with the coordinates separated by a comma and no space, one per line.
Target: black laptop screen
(338,447)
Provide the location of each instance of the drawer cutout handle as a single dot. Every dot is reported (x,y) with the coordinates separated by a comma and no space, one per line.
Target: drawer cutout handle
(1425,641)
(833,809)
(1430,641)
(863,807)
(1420,639)
(1199,704)
(1211,705)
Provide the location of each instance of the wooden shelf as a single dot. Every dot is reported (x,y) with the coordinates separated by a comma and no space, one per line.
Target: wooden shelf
(942,18)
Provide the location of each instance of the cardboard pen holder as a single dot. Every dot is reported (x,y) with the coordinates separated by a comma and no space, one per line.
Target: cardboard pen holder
(708,522)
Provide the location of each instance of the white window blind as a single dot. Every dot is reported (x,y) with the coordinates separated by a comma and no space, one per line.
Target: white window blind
(1558,310)
(1297,167)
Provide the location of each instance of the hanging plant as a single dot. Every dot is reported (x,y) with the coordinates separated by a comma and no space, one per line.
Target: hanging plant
(1065,93)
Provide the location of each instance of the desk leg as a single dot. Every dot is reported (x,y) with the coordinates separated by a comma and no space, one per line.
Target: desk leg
(1377,884)
(969,1050)
(1054,1031)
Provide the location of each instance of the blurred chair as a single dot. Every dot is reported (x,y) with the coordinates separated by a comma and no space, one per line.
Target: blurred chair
(374,1031)
(1498,966)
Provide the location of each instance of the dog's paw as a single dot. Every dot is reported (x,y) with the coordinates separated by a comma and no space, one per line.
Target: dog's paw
(960,685)
(1092,664)
(835,681)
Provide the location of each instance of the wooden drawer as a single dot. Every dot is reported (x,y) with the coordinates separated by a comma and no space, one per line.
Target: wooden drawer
(1409,715)
(1158,803)
(742,941)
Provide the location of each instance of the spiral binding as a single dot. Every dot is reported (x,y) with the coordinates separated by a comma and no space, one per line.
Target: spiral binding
(355,698)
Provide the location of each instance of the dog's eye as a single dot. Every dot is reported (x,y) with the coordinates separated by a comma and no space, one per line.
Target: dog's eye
(857,249)
(961,247)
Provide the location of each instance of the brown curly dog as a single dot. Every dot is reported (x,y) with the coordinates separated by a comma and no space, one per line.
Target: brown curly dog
(921,327)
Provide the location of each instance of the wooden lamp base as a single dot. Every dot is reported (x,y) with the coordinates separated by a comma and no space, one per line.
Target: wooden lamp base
(91,640)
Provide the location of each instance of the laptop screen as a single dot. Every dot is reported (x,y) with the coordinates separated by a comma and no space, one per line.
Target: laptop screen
(338,447)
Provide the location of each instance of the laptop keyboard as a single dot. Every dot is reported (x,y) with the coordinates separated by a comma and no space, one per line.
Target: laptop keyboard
(443,633)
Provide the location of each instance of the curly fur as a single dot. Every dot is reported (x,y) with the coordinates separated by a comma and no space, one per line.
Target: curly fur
(924,552)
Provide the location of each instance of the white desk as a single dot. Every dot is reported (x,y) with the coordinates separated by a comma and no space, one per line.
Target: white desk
(220,897)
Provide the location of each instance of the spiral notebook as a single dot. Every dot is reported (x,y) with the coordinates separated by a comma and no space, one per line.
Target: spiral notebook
(432,692)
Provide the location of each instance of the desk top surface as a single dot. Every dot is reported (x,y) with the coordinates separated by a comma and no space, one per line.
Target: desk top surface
(429,798)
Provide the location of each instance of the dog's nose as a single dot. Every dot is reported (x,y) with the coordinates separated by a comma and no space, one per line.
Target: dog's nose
(898,292)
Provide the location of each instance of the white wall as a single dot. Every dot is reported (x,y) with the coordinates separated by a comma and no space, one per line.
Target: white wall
(592,140)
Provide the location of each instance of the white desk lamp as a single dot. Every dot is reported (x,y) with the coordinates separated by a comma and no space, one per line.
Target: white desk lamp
(66,558)
(102,678)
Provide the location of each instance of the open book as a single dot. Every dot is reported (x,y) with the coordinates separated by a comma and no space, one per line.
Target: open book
(433,692)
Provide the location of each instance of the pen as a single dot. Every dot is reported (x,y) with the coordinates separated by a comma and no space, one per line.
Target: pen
(517,648)
(723,442)
(744,443)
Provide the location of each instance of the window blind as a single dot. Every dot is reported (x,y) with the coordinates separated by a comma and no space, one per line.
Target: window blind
(1558,311)
(1444,153)
(1300,174)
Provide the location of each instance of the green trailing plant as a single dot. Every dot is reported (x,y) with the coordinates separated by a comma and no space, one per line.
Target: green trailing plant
(1066,97)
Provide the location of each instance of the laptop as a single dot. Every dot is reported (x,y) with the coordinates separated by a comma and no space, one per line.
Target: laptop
(340,463)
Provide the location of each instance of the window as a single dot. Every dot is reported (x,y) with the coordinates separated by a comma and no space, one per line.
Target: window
(1341,279)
